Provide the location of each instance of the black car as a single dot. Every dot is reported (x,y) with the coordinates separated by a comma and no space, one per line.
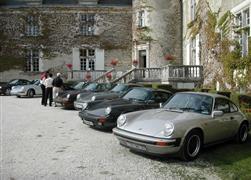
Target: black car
(116,92)
(104,115)
(5,88)
(67,98)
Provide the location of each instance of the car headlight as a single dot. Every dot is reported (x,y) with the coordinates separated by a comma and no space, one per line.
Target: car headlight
(68,96)
(93,98)
(108,110)
(121,120)
(0,87)
(169,127)
(84,106)
(57,94)
(78,96)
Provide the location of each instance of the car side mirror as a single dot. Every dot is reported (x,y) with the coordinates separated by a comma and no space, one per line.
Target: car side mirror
(217,113)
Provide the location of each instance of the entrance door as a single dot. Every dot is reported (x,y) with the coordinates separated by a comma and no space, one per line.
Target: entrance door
(142,58)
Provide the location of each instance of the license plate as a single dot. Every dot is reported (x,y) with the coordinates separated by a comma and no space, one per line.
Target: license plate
(88,122)
(135,146)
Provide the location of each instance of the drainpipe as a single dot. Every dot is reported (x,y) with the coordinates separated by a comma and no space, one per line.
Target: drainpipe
(181,29)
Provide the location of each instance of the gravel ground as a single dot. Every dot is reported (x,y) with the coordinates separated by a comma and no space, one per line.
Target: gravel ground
(40,142)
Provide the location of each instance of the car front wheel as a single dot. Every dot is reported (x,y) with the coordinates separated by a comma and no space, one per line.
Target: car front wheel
(242,134)
(30,93)
(192,146)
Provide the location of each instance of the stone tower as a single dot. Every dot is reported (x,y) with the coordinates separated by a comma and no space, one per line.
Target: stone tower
(157,32)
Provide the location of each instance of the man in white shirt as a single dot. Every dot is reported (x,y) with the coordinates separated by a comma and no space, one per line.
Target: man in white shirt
(48,90)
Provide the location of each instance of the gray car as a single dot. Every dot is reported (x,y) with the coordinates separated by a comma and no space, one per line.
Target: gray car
(185,124)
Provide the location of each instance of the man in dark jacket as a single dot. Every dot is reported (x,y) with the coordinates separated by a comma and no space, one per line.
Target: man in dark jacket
(57,85)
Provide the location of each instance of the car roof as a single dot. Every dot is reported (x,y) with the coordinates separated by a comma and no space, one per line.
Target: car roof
(204,93)
(152,89)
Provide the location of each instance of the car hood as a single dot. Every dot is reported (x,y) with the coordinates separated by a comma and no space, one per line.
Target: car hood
(71,92)
(152,122)
(98,96)
(112,103)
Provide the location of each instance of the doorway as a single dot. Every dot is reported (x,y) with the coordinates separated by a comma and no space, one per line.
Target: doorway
(142,59)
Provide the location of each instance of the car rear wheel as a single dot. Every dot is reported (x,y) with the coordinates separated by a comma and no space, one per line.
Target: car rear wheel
(30,93)
(192,146)
(242,134)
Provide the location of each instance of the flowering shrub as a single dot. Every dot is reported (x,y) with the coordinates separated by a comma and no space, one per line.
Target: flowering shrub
(114,62)
(69,66)
(169,57)
(109,76)
(135,62)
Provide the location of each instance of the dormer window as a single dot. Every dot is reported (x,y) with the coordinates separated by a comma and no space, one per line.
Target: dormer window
(87,22)
(32,26)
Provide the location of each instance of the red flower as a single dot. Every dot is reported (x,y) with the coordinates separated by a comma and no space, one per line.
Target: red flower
(109,76)
(69,66)
(169,57)
(114,62)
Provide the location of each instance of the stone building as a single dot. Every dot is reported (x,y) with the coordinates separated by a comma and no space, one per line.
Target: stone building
(51,34)
(157,32)
(194,50)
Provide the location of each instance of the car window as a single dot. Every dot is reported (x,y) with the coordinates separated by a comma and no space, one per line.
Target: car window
(233,107)
(191,102)
(156,97)
(137,94)
(91,87)
(222,105)
(164,96)
(119,88)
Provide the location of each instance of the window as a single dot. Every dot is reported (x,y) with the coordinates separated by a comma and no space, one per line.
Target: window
(233,107)
(141,18)
(222,105)
(87,22)
(87,59)
(193,9)
(193,51)
(32,26)
(247,17)
(239,20)
(32,61)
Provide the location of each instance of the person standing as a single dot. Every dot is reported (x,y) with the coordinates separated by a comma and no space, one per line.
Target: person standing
(57,85)
(48,90)
(42,85)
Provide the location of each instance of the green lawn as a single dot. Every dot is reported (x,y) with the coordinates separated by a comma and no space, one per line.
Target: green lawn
(232,160)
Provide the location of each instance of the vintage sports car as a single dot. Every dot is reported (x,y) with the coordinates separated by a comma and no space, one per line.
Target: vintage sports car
(29,90)
(186,123)
(104,115)
(67,98)
(5,88)
(116,92)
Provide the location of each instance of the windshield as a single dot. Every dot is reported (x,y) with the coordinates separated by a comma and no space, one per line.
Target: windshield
(13,81)
(35,82)
(191,102)
(91,87)
(79,85)
(137,94)
(119,88)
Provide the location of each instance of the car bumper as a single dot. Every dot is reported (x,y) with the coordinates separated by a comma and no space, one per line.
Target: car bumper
(96,121)
(64,102)
(78,105)
(147,144)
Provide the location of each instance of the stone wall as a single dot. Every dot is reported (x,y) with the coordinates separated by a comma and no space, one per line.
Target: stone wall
(60,33)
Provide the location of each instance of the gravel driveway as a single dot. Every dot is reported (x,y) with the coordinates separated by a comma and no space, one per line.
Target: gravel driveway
(40,142)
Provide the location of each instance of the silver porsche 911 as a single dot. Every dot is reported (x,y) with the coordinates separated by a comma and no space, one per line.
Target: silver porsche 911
(186,123)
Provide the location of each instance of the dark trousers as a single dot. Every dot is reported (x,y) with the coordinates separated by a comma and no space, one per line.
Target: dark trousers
(48,95)
(43,94)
